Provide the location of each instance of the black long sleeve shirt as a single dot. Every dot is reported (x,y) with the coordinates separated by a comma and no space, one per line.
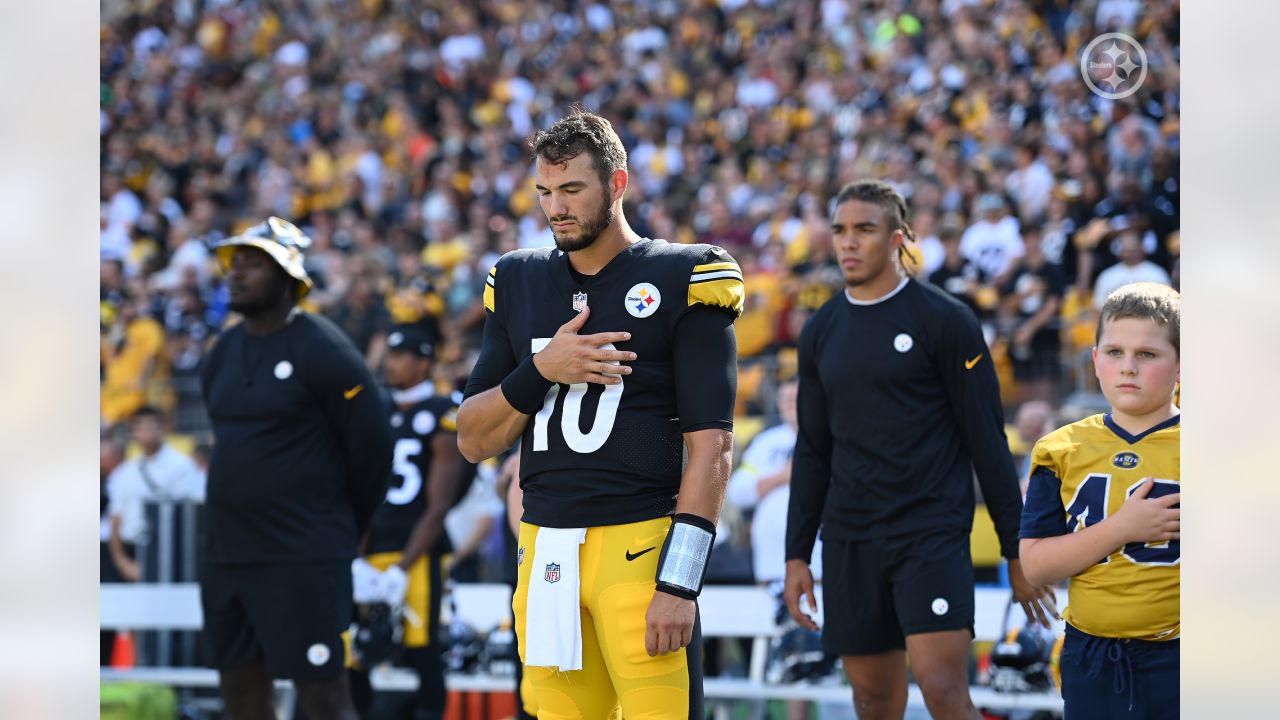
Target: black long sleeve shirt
(898,405)
(302,449)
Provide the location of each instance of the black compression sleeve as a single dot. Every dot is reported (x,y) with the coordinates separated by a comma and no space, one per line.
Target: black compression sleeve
(705,357)
(496,360)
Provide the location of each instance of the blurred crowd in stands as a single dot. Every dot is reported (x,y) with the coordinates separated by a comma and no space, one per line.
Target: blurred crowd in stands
(395,133)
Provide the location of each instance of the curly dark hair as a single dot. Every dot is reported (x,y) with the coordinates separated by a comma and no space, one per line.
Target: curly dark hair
(580,132)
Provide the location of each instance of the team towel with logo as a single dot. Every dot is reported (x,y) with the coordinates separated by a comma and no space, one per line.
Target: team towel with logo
(553,631)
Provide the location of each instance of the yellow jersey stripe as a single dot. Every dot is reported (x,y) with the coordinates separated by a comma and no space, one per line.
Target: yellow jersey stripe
(715,266)
(488,298)
(728,293)
(493,271)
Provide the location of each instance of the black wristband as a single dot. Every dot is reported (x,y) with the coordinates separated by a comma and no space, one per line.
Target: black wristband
(683,567)
(525,388)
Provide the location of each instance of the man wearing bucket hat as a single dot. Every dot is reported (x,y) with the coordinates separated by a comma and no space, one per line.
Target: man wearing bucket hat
(300,462)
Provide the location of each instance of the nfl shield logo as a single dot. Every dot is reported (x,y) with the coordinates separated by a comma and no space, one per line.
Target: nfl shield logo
(579,302)
(553,573)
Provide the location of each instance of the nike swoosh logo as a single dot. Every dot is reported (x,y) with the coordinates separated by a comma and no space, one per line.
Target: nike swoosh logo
(348,394)
(968,364)
(631,557)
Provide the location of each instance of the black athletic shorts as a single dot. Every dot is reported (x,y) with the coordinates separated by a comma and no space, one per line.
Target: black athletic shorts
(876,592)
(294,616)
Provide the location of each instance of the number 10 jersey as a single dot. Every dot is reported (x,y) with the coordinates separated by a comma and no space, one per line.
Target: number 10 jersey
(609,454)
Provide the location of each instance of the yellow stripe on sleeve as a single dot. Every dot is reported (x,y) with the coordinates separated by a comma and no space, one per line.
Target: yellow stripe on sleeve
(489,284)
(715,266)
(728,293)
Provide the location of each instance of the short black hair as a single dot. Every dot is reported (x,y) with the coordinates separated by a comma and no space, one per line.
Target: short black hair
(146,411)
(580,132)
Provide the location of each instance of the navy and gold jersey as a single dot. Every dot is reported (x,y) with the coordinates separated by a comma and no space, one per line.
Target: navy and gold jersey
(412,429)
(596,454)
(1080,475)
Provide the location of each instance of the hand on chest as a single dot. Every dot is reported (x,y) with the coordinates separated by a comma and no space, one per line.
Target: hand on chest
(641,309)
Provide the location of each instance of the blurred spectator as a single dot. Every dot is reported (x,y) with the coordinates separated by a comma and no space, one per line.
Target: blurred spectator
(959,277)
(471,524)
(993,242)
(159,473)
(1030,313)
(365,320)
(130,348)
(1133,267)
(1035,419)
(1031,183)
(111,454)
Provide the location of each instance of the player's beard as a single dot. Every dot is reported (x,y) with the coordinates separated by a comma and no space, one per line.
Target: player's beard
(590,229)
(265,301)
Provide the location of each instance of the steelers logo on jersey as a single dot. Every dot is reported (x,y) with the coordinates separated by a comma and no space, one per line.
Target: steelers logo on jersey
(643,300)
(424,422)
(903,342)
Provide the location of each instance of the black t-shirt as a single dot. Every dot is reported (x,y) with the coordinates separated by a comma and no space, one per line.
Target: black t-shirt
(605,455)
(301,450)
(1039,285)
(955,282)
(898,405)
(414,429)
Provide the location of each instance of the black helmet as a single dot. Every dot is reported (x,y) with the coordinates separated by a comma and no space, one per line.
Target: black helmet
(377,634)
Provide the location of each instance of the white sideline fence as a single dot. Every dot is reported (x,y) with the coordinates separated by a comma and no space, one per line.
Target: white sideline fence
(726,611)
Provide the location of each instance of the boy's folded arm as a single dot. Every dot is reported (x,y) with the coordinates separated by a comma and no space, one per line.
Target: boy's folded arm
(1053,559)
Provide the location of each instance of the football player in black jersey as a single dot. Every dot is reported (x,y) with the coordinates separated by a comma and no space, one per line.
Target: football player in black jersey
(406,542)
(898,407)
(609,355)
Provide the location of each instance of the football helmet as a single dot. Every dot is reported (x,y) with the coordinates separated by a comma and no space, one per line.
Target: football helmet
(464,648)
(500,651)
(796,655)
(1023,660)
(377,634)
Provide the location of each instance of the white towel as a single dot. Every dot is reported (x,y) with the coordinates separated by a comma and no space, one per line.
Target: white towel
(553,618)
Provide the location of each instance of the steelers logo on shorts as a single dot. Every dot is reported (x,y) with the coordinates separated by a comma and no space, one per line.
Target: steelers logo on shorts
(318,654)
(940,606)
